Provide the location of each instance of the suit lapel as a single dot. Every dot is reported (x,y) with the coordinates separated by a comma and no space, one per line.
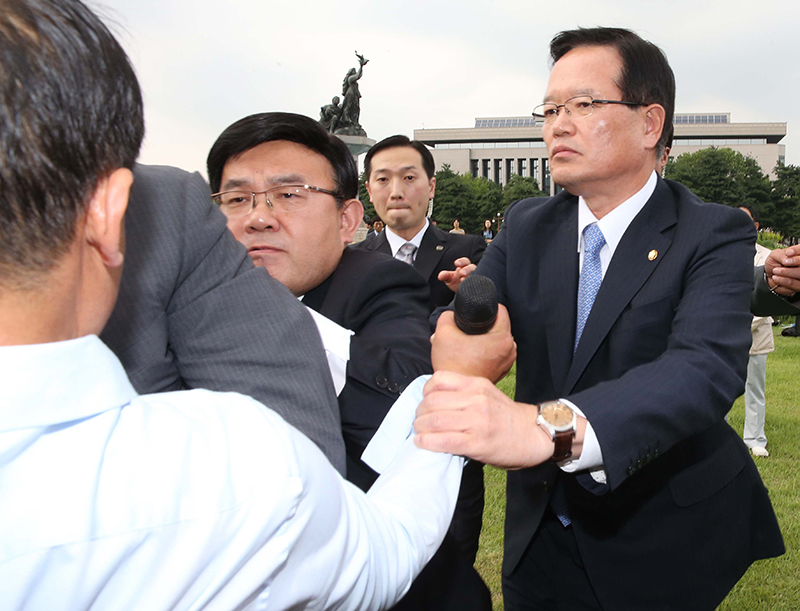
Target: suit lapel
(379,243)
(560,260)
(628,271)
(431,251)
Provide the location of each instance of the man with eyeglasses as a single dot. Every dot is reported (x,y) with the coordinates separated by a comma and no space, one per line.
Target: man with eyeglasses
(289,191)
(628,299)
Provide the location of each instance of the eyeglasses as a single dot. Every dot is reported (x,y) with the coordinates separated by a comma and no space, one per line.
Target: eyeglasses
(579,106)
(285,198)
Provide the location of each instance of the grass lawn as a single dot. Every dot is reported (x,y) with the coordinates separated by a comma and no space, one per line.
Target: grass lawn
(769,585)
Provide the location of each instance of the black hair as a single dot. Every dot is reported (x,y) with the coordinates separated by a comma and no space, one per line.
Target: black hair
(70,114)
(256,129)
(645,78)
(399,141)
(752,211)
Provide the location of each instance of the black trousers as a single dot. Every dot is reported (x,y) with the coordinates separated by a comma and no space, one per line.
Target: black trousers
(551,575)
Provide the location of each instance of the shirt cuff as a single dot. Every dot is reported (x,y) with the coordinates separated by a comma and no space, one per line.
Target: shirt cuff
(591,456)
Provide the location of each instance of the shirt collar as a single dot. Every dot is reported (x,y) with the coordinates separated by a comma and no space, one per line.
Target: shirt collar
(395,241)
(46,384)
(615,223)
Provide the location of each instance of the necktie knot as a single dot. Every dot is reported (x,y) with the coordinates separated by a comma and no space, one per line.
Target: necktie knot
(593,240)
(406,253)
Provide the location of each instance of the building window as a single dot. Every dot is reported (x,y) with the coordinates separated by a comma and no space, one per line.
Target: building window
(545,176)
(509,169)
(522,167)
(473,167)
(498,167)
(534,173)
(485,169)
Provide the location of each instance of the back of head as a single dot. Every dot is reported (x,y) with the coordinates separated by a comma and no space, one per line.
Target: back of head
(646,76)
(399,140)
(70,113)
(257,129)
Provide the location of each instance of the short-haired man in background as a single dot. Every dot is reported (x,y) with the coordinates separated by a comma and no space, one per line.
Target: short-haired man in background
(401,182)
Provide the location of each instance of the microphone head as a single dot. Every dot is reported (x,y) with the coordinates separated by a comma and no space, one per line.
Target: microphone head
(476,305)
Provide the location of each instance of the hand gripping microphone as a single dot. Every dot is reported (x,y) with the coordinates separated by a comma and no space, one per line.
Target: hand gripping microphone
(476,305)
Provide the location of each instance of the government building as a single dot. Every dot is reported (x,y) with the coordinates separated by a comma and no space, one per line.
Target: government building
(497,148)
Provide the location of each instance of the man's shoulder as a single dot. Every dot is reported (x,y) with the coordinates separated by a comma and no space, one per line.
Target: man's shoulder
(370,268)
(149,177)
(212,426)
(452,239)
(691,208)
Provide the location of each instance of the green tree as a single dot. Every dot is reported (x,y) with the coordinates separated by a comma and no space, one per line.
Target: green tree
(363,196)
(520,187)
(487,198)
(453,200)
(721,175)
(782,212)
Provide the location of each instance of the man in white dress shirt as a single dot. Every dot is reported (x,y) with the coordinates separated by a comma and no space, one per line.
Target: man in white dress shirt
(113,500)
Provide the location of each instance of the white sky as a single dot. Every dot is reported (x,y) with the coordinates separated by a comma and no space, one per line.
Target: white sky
(204,64)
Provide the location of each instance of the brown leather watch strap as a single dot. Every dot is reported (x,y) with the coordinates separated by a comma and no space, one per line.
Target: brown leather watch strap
(563,445)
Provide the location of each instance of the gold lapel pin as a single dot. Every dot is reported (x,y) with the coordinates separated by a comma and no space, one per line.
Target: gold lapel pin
(440,247)
(651,256)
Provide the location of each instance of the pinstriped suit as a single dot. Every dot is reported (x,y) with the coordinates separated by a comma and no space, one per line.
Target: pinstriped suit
(193,312)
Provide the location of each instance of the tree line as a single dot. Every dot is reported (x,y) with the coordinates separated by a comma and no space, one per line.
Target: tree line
(719,175)
(726,176)
(469,199)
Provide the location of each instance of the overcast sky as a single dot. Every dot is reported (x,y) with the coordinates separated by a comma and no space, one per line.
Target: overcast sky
(204,64)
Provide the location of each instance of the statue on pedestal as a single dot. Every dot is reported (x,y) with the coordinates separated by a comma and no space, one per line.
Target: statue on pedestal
(343,120)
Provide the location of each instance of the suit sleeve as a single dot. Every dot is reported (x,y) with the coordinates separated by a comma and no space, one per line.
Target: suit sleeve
(388,314)
(477,249)
(689,387)
(194,312)
(766,303)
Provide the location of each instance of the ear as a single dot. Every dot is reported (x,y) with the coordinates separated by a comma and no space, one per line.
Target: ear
(654,124)
(432,183)
(105,216)
(351,215)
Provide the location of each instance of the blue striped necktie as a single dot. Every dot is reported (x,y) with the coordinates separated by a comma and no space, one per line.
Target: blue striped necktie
(591,276)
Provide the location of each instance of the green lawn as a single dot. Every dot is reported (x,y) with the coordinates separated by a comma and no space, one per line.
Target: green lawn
(769,585)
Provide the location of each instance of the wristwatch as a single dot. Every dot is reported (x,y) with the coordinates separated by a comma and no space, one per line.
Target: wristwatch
(561,423)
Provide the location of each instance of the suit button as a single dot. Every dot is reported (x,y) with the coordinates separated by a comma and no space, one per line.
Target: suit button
(381,382)
(392,387)
(546,485)
(401,388)
(630,471)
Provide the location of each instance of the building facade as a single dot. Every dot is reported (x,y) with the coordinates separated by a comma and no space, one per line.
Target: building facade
(498,148)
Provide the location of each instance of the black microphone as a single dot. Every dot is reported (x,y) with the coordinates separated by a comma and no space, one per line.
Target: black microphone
(476,305)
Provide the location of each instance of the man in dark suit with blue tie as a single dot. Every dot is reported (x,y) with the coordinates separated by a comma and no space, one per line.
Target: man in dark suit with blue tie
(629,302)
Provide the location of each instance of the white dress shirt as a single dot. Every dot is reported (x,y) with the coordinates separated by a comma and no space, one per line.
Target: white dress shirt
(191,500)
(395,241)
(613,225)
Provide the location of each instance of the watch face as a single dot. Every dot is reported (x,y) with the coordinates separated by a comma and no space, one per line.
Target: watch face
(557,414)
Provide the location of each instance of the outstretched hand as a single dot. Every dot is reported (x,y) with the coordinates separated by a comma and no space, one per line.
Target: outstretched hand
(782,268)
(453,279)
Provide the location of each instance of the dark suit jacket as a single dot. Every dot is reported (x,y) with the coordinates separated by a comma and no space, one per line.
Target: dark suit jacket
(385,303)
(661,360)
(193,312)
(437,252)
(766,303)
